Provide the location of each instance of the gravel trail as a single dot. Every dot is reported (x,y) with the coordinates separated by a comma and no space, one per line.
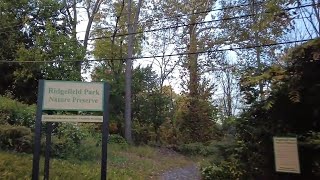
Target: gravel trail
(186,173)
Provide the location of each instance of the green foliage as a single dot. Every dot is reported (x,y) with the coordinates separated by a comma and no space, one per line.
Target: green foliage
(116,139)
(16,113)
(36,31)
(168,132)
(71,141)
(214,172)
(86,150)
(225,170)
(16,138)
(264,28)
(150,107)
(290,110)
(143,133)
(196,149)
(310,144)
(71,132)
(214,151)
(124,162)
(195,119)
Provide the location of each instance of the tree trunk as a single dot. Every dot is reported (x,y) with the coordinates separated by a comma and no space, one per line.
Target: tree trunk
(258,49)
(192,60)
(132,28)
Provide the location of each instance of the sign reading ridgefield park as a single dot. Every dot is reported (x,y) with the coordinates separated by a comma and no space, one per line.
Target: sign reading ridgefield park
(69,96)
(72,96)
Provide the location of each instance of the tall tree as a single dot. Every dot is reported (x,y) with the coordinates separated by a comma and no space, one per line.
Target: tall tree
(195,35)
(292,109)
(72,12)
(253,23)
(132,28)
(115,49)
(40,35)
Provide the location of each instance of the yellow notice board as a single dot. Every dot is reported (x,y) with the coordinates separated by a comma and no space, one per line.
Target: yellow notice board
(286,154)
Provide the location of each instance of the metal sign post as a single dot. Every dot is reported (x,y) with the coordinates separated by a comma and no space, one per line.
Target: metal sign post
(69,96)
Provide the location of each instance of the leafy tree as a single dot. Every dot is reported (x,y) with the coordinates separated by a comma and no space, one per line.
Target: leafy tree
(119,48)
(71,14)
(253,23)
(290,110)
(38,34)
(196,123)
(12,21)
(152,105)
(194,36)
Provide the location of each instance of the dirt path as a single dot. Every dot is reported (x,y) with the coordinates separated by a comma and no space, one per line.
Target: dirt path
(186,173)
(189,172)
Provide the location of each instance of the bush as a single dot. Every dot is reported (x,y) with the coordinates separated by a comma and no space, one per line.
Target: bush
(116,139)
(225,170)
(86,150)
(68,141)
(16,138)
(168,132)
(214,172)
(219,149)
(143,134)
(15,113)
(196,149)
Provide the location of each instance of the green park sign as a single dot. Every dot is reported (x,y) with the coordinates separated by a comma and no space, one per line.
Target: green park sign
(54,96)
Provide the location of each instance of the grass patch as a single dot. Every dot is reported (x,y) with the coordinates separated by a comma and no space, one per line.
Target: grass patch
(124,162)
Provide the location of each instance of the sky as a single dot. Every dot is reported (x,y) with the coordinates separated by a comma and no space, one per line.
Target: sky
(176,80)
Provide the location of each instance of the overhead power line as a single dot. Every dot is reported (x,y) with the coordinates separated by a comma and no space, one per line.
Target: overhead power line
(181,25)
(186,25)
(166,55)
(159,20)
(217,9)
(203,22)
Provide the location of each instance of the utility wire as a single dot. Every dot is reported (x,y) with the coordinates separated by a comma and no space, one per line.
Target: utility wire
(162,19)
(182,25)
(213,10)
(161,56)
(204,22)
(185,25)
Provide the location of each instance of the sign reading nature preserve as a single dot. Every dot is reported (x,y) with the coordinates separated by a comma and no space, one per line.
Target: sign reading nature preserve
(69,96)
(286,154)
(72,96)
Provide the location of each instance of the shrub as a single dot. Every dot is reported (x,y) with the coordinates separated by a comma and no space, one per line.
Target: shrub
(16,138)
(72,133)
(214,172)
(168,132)
(142,134)
(86,150)
(222,149)
(68,141)
(15,113)
(116,139)
(225,170)
(195,149)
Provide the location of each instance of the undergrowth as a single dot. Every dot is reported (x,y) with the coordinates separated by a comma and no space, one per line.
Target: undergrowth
(124,162)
